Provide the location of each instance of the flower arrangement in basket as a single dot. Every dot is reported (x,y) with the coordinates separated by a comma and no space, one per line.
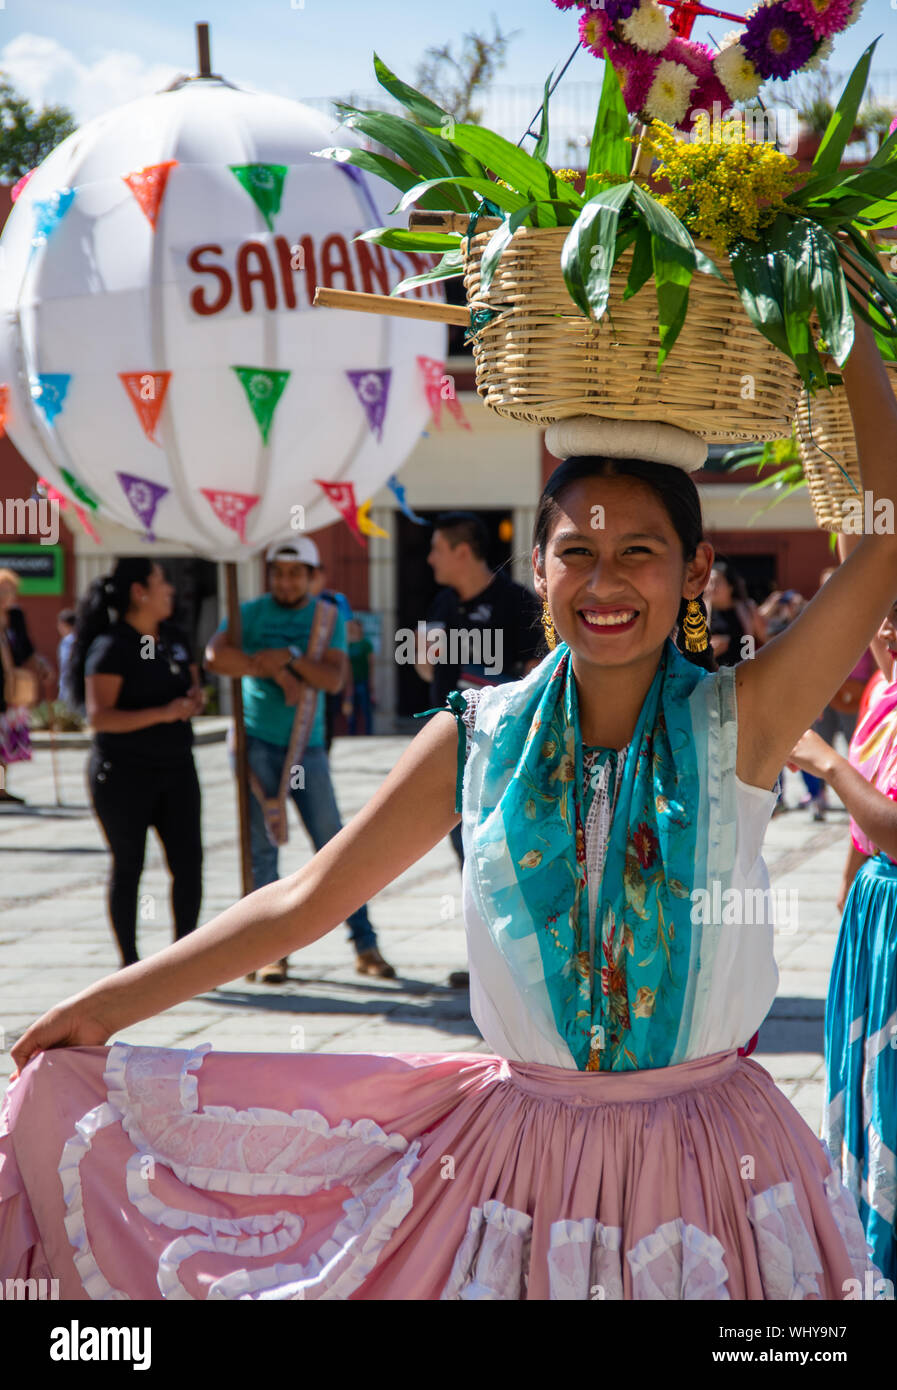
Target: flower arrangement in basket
(743,258)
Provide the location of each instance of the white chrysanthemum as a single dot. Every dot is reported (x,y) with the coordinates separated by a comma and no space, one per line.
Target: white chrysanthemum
(737,73)
(733,36)
(855,12)
(822,55)
(669,94)
(647,27)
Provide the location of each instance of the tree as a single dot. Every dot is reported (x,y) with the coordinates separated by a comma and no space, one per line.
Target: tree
(456,82)
(27,136)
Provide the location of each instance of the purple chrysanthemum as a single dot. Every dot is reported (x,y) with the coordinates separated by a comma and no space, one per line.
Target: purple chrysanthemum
(777,41)
(619,9)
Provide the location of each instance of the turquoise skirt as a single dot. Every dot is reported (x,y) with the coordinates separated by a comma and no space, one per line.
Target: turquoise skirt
(860,1119)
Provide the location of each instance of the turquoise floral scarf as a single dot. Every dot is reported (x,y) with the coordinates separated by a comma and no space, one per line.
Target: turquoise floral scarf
(618,986)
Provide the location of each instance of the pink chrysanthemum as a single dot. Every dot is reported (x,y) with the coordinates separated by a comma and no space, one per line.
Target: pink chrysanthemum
(570,4)
(636,71)
(697,57)
(824,17)
(708,91)
(594,31)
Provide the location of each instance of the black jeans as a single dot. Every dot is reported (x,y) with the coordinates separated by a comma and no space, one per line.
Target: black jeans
(128,798)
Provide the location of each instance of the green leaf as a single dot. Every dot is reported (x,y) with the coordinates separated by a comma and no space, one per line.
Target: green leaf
(759,283)
(666,225)
(828,289)
(496,244)
(451,267)
(589,252)
(886,154)
(517,168)
(397,174)
(420,106)
(673,280)
(642,266)
(504,198)
(609,151)
(841,125)
(793,251)
(541,147)
(429,158)
(401,239)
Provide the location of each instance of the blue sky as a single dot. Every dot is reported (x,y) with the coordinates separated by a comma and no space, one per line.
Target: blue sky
(95,56)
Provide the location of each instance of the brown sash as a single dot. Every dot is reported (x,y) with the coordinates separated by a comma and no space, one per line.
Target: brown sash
(274,808)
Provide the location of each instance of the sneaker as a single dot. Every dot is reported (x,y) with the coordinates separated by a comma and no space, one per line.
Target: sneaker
(819,809)
(371,962)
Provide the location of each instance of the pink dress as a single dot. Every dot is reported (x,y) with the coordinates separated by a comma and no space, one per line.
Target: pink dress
(139,1172)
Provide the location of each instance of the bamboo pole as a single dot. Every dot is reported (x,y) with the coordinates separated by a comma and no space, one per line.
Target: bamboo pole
(391,305)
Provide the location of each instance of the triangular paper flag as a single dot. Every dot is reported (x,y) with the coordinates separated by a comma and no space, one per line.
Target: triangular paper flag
(365,525)
(231,508)
(399,491)
(63,503)
(148,187)
(144,497)
(18,188)
(79,490)
(48,212)
(264,389)
(147,392)
(372,389)
(440,390)
(264,184)
(342,495)
(4,409)
(48,390)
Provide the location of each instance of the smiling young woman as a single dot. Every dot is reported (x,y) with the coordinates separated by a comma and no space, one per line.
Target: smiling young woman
(619,1138)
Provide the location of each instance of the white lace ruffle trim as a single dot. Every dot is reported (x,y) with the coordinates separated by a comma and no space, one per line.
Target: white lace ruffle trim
(675,1262)
(152,1094)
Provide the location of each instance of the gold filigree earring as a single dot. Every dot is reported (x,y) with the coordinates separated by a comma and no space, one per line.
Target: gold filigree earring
(548,627)
(694,627)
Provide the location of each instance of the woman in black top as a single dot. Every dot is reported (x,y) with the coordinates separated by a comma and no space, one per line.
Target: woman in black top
(733,615)
(134,671)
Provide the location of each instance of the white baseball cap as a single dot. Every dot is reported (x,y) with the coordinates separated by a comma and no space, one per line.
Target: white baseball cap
(299,548)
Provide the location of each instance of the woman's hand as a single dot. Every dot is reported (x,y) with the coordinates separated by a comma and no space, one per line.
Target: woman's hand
(198,696)
(181,708)
(811,754)
(69,1024)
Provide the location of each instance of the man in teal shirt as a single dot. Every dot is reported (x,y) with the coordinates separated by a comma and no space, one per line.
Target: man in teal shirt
(272,661)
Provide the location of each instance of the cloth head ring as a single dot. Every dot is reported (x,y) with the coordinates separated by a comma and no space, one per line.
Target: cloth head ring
(626,439)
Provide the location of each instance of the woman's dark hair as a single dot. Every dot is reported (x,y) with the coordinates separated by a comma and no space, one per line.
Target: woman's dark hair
(732,578)
(107,596)
(673,487)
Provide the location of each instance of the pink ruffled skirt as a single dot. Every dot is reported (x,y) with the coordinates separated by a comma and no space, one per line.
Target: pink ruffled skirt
(144,1173)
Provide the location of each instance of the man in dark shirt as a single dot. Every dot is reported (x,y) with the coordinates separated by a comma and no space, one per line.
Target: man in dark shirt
(482,628)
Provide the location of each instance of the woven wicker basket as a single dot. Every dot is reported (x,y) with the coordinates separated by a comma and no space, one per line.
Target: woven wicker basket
(540,359)
(825,424)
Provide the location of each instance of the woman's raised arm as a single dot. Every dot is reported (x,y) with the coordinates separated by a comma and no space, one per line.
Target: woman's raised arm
(790,681)
(410,813)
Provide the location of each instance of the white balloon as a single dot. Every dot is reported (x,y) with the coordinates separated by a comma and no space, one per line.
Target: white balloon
(99,292)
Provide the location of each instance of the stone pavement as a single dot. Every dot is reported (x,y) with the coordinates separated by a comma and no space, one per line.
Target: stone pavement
(54,936)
